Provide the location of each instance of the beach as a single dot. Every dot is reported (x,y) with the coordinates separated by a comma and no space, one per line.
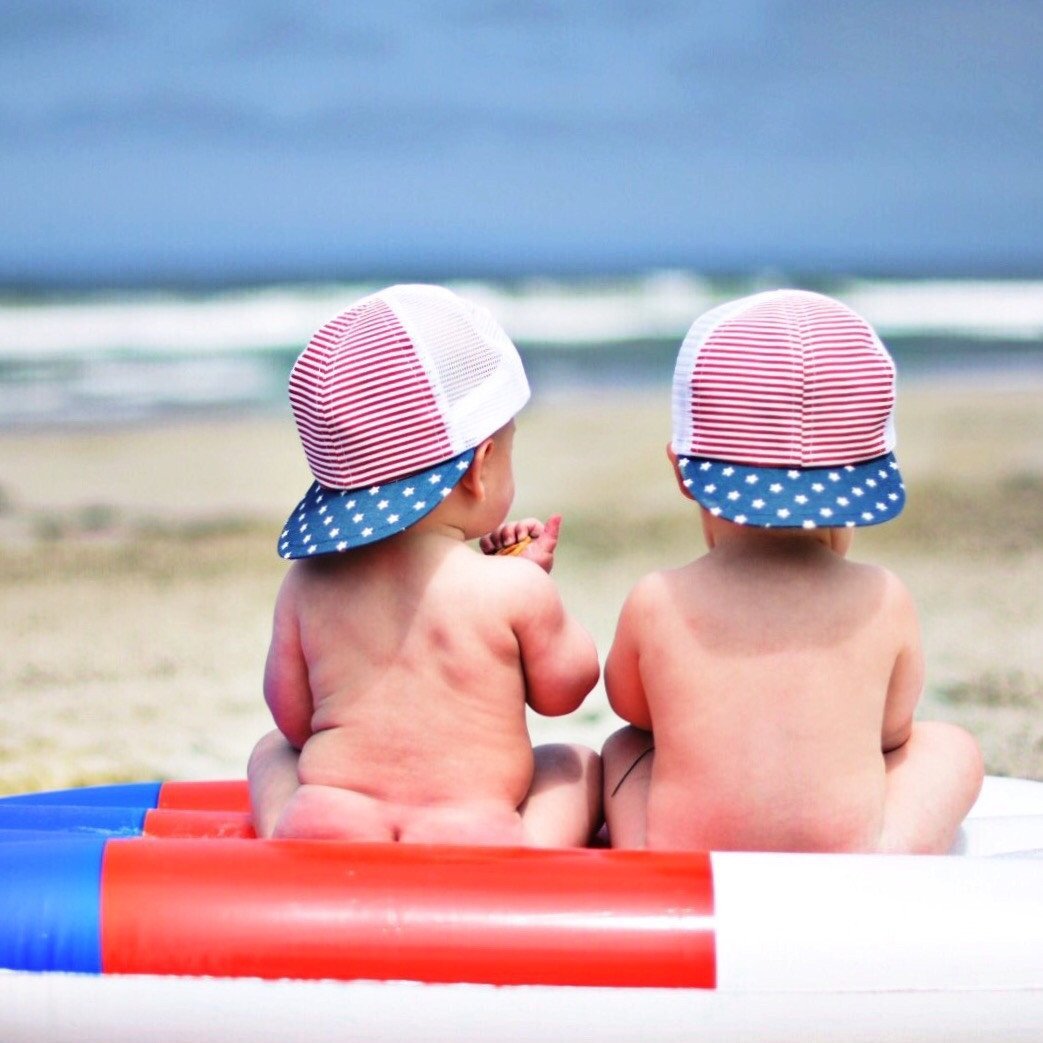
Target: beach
(138,570)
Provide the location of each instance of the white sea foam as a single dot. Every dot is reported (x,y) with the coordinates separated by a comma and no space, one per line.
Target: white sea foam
(538,311)
(150,323)
(110,358)
(1008,310)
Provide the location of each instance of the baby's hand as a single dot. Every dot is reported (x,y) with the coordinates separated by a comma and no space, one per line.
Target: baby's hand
(529,538)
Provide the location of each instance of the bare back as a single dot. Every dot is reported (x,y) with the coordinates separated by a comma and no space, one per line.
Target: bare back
(414,674)
(402,671)
(767,666)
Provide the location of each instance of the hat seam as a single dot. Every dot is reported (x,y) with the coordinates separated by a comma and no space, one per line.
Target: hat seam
(424,360)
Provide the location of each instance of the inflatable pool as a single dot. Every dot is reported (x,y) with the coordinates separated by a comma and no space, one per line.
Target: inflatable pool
(149,911)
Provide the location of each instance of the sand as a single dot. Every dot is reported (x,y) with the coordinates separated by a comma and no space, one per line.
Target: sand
(137,572)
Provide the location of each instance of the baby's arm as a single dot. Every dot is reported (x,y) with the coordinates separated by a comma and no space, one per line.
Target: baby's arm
(272,770)
(559,658)
(286,688)
(907,675)
(626,693)
(934,770)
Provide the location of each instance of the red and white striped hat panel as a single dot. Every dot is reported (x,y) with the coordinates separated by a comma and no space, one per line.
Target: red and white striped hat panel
(363,400)
(785,379)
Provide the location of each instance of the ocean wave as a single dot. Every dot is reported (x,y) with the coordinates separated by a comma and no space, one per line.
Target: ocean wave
(553,312)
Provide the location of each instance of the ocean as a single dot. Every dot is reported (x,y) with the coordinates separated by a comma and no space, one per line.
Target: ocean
(125,357)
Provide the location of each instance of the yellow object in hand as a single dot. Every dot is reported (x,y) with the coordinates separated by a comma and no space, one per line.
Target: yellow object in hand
(515,548)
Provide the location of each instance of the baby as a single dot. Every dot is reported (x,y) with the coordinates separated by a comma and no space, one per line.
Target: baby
(777,678)
(401,661)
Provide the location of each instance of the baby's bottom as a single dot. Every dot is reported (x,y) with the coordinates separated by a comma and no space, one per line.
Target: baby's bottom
(562,808)
(931,782)
(330,813)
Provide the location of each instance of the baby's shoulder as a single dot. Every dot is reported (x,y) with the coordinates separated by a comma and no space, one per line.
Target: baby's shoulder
(289,600)
(879,596)
(514,578)
(654,589)
(520,593)
(898,596)
(878,578)
(308,575)
(293,582)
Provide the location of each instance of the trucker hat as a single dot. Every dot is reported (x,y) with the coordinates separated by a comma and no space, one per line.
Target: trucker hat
(783,414)
(391,398)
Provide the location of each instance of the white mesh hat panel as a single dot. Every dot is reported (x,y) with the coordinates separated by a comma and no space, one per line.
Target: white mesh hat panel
(474,367)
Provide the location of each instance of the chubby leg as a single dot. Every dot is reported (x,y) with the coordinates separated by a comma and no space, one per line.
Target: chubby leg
(932,781)
(563,806)
(272,774)
(627,756)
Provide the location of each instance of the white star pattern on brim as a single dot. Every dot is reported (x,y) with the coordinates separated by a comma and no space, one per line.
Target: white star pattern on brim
(331,521)
(785,497)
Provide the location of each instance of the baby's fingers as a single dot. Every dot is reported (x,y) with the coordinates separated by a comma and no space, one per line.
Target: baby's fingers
(540,548)
(514,549)
(511,537)
(524,530)
(516,536)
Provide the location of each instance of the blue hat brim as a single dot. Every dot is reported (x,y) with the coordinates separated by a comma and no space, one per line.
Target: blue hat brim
(847,495)
(330,521)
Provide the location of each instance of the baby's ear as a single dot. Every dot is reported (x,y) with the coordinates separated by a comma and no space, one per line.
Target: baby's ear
(678,473)
(472,481)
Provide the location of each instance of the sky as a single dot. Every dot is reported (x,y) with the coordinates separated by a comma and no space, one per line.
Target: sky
(256,140)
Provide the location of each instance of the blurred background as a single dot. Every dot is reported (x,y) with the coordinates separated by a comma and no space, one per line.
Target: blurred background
(188,190)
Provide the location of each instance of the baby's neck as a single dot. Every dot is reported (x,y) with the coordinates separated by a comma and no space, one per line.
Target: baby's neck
(790,541)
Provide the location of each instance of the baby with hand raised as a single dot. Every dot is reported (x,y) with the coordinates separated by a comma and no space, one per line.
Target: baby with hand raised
(401,661)
(770,684)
